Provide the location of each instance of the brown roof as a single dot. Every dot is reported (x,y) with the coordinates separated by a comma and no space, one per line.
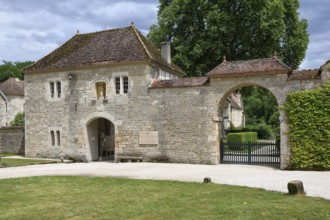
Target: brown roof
(234,99)
(12,86)
(182,82)
(249,67)
(104,47)
(304,74)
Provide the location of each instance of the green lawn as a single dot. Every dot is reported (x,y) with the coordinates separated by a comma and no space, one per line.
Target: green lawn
(11,162)
(114,198)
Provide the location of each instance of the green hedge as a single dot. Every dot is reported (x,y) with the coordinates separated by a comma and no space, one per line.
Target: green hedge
(242,137)
(263,130)
(309,124)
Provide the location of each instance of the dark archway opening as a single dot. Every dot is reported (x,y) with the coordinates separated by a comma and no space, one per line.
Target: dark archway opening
(101,138)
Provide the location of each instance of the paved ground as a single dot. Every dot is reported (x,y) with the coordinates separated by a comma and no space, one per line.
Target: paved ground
(315,183)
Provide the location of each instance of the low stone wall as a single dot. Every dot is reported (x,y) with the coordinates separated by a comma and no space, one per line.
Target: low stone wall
(12,140)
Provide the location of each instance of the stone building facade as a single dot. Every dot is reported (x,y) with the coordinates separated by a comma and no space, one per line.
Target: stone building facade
(11,100)
(113,95)
(233,112)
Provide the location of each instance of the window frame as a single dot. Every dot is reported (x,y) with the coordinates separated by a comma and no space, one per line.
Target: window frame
(55,90)
(122,84)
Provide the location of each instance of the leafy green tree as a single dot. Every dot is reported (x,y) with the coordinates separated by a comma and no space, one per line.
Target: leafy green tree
(9,69)
(19,119)
(202,31)
(260,109)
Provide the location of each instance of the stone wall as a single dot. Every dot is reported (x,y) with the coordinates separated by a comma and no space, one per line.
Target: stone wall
(184,122)
(12,140)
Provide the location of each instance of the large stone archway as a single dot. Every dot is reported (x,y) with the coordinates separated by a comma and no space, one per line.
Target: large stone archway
(270,74)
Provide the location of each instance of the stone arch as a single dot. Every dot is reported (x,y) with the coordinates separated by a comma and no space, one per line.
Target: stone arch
(279,95)
(240,85)
(91,132)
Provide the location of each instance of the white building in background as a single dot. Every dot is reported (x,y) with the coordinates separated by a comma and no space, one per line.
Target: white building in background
(233,112)
(11,100)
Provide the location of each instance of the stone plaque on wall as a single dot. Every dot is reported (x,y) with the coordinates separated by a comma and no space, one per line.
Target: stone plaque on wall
(148,137)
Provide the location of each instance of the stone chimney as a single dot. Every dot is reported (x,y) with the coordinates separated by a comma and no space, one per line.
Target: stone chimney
(166,52)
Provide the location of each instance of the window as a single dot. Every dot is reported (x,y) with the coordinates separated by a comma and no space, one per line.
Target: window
(58,137)
(121,83)
(117,85)
(52,89)
(125,79)
(52,138)
(55,136)
(55,88)
(58,87)
(100,88)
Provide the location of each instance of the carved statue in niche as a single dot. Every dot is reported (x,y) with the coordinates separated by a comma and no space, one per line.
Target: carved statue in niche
(100,90)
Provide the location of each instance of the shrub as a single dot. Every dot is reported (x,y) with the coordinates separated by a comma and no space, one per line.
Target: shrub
(242,137)
(309,128)
(263,130)
(18,120)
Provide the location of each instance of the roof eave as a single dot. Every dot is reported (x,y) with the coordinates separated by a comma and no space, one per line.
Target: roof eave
(88,66)
(258,73)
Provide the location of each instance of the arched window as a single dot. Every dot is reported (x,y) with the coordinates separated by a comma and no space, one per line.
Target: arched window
(58,137)
(52,138)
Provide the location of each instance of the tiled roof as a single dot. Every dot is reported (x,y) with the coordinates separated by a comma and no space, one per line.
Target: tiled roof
(3,96)
(235,100)
(104,47)
(182,82)
(249,67)
(12,86)
(304,74)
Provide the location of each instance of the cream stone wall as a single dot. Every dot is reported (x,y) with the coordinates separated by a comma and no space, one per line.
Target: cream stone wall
(15,104)
(186,120)
(3,112)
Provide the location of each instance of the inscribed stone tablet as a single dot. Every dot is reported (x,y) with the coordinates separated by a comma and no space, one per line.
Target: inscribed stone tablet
(148,137)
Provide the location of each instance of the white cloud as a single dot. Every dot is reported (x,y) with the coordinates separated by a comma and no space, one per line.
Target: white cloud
(32,29)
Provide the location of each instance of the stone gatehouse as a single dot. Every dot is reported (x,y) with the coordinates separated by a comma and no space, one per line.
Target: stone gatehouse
(113,95)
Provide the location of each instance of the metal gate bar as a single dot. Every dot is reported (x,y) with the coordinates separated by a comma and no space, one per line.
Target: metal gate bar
(252,153)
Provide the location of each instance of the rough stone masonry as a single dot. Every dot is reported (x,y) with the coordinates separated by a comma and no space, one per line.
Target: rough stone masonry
(111,95)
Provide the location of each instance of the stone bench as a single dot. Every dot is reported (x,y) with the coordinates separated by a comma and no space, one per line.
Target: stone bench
(129,159)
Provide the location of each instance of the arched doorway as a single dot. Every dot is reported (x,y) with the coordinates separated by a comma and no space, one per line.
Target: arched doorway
(254,109)
(101,139)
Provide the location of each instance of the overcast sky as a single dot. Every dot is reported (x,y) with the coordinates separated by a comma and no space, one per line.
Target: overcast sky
(30,29)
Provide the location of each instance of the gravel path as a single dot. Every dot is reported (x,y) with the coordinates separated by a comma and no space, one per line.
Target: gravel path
(315,183)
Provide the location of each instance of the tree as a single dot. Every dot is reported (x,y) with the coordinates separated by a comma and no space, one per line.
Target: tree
(203,31)
(9,69)
(19,119)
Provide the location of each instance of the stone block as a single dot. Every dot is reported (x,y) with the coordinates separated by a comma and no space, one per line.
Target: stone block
(296,187)
(207,180)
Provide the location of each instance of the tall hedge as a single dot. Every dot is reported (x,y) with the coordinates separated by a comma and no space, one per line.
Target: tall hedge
(242,137)
(309,124)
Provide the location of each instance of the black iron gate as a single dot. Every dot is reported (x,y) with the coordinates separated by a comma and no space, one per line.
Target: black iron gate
(253,153)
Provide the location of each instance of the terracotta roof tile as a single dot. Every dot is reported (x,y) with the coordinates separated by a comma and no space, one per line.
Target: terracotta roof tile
(182,82)
(249,67)
(12,86)
(304,74)
(235,100)
(103,47)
